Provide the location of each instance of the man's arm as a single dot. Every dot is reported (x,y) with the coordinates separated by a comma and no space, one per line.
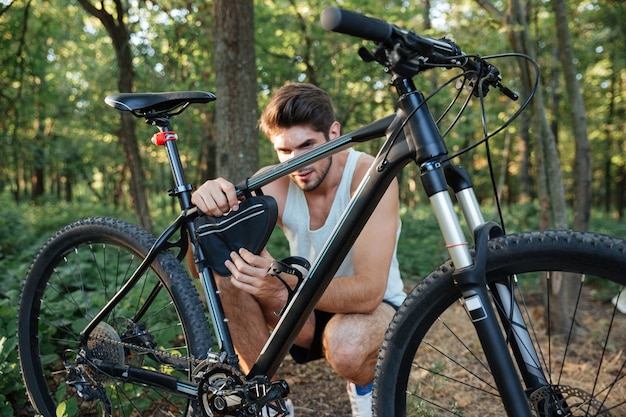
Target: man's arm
(373,251)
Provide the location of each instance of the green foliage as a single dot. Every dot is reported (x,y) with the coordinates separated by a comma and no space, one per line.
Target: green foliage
(421,247)
(25,228)
(277,246)
(15,228)
(11,386)
(522,217)
(68,408)
(55,76)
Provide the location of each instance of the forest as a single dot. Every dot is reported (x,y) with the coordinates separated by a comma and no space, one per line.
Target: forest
(67,155)
(62,143)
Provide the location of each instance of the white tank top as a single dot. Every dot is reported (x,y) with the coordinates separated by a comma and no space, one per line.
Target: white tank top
(307,243)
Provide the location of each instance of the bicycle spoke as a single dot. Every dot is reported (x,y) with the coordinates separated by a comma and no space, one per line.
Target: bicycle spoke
(583,358)
(460,365)
(72,284)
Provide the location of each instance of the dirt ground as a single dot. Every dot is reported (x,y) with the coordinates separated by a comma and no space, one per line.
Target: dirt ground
(315,389)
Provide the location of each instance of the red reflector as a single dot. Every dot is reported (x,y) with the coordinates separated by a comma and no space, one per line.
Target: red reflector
(162,137)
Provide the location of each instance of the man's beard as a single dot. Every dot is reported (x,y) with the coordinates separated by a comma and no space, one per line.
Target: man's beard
(322,175)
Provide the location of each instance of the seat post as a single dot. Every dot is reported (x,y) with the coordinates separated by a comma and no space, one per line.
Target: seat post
(167,138)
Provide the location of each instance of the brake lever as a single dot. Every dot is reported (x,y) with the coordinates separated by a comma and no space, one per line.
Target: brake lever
(494,78)
(507,91)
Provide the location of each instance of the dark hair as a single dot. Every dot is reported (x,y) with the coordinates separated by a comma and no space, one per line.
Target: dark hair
(298,104)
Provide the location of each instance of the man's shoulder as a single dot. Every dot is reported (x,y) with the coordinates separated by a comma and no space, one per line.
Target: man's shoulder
(277,188)
(362,165)
(364,158)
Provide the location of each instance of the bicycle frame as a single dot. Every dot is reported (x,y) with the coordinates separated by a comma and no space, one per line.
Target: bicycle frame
(412,137)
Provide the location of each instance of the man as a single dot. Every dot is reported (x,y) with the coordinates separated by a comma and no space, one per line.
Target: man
(350,320)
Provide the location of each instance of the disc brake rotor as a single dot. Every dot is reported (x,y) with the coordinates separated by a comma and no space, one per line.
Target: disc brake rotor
(563,400)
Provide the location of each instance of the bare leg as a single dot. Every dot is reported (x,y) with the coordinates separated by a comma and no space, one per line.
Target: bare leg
(352,341)
(249,322)
(245,322)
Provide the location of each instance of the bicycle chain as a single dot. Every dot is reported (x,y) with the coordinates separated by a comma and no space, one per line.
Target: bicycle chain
(160,353)
(207,394)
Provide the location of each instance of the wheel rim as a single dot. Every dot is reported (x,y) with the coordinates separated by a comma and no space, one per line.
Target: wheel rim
(77,285)
(584,363)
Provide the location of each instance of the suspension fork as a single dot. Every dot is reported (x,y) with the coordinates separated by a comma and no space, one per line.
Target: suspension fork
(502,291)
(470,276)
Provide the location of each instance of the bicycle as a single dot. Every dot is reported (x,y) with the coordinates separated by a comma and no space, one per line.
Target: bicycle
(137,339)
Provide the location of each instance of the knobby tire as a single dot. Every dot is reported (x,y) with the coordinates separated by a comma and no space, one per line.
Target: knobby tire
(73,276)
(431,363)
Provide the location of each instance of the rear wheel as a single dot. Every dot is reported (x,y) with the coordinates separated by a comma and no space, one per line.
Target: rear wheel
(72,278)
(432,363)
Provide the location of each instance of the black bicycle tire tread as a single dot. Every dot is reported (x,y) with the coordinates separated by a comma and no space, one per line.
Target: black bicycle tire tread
(599,252)
(183,291)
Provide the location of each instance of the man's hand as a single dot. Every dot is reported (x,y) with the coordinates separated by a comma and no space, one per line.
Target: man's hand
(216,197)
(250,274)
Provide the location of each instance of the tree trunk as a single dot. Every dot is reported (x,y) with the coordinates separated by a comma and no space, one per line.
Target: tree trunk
(207,152)
(38,174)
(607,179)
(525,194)
(582,163)
(37,179)
(550,185)
(235,80)
(620,190)
(118,31)
(563,294)
(547,166)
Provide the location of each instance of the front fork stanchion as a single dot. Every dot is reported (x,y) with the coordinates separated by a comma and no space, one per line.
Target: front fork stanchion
(436,188)
(509,311)
(471,279)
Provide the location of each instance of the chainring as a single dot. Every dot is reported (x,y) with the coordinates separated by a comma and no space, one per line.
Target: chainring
(219,392)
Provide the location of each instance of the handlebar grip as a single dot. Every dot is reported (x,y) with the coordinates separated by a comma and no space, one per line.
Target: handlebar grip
(335,19)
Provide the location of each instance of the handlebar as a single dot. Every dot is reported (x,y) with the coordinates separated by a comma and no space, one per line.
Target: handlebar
(335,19)
(407,53)
(355,24)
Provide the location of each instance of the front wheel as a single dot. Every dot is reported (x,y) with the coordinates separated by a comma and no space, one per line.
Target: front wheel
(431,362)
(159,326)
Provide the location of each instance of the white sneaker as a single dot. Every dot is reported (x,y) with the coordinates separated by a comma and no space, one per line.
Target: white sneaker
(289,406)
(618,301)
(273,413)
(360,400)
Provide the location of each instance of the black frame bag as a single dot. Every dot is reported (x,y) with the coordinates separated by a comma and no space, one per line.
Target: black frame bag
(249,227)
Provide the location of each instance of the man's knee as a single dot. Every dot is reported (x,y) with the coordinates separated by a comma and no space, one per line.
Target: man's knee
(351,348)
(352,341)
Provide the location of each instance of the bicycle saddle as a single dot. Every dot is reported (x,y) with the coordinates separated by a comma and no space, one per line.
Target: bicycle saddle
(142,104)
